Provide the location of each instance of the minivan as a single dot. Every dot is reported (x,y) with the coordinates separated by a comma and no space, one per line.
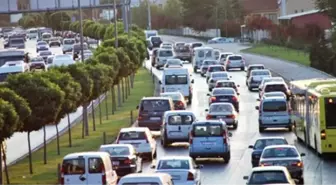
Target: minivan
(199,54)
(162,56)
(88,168)
(276,87)
(146,179)
(209,138)
(151,110)
(274,112)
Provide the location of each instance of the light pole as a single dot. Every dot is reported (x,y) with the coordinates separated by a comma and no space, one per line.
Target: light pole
(149,15)
(115,24)
(81,30)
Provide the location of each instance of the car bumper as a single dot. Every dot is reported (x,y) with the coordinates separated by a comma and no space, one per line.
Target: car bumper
(275,125)
(235,66)
(151,124)
(296,173)
(254,85)
(184,57)
(125,170)
(206,155)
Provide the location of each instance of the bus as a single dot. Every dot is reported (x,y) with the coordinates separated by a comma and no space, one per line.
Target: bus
(314,113)
(151,33)
(12,61)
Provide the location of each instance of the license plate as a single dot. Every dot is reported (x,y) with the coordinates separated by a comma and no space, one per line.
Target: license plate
(116,163)
(208,143)
(221,116)
(155,118)
(224,99)
(282,164)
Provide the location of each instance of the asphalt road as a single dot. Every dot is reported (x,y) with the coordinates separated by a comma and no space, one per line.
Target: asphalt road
(215,172)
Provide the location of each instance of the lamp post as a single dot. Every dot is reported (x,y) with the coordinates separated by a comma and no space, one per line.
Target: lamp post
(115,24)
(81,30)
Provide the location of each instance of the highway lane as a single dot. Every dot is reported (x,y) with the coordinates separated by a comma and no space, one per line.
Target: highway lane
(214,171)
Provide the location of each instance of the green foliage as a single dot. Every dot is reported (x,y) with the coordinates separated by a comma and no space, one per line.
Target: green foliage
(329,6)
(9,120)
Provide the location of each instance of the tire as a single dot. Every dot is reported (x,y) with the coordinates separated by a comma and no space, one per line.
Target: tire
(153,65)
(227,158)
(154,155)
(261,129)
(157,67)
(290,128)
(202,75)
(242,68)
(210,89)
(63,52)
(250,88)
(164,143)
(301,181)
(235,126)
(190,100)
(195,70)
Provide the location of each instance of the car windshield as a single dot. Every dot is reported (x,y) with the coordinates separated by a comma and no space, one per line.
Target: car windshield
(262,143)
(235,58)
(274,106)
(176,79)
(41,43)
(156,39)
(17,41)
(216,68)
(265,80)
(226,84)
(166,53)
(173,164)
(180,120)
(118,150)
(174,62)
(194,45)
(219,75)
(211,130)
(172,96)
(69,42)
(132,135)
(201,53)
(275,87)
(227,91)
(183,49)
(220,108)
(279,152)
(179,45)
(155,105)
(32,31)
(45,36)
(261,73)
(209,62)
(268,177)
(256,67)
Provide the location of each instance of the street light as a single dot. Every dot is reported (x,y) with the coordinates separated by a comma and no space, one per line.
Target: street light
(81,30)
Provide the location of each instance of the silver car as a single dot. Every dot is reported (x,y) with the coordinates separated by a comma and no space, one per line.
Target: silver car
(224,111)
(223,56)
(173,63)
(234,61)
(256,77)
(216,76)
(212,69)
(205,65)
(270,175)
(284,155)
(270,79)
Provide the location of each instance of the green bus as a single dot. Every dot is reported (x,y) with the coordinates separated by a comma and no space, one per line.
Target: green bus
(314,113)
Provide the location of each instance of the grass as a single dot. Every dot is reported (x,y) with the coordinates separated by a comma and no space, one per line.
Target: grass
(283,53)
(47,173)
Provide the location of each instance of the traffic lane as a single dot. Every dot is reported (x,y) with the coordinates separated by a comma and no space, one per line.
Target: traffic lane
(31,48)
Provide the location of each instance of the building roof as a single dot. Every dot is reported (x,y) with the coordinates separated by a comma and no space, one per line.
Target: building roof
(258,6)
(291,16)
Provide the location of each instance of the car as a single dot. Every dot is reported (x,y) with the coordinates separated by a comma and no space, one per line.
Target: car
(50,60)
(166,44)
(276,87)
(234,61)
(227,83)
(273,94)
(183,53)
(182,169)
(63,59)
(222,57)
(260,144)
(162,56)
(284,155)
(270,175)
(224,94)
(178,100)
(212,69)
(179,44)
(173,63)
(154,56)
(151,110)
(142,140)
(146,179)
(256,77)
(156,41)
(37,63)
(223,111)
(209,139)
(220,40)
(271,79)
(54,42)
(41,46)
(45,54)
(176,126)
(199,55)
(274,112)
(68,45)
(253,67)
(216,76)
(205,65)
(124,158)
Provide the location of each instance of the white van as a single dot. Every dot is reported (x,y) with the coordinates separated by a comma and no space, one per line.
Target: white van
(32,33)
(146,179)
(201,53)
(88,168)
(177,79)
(46,37)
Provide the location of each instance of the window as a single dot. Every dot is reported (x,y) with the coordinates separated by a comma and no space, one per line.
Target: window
(46,36)
(46,53)
(216,69)
(257,73)
(201,54)
(176,79)
(41,43)
(180,120)
(194,45)
(330,109)
(96,165)
(165,53)
(274,106)
(73,166)
(17,41)
(155,39)
(208,53)
(302,10)
(279,152)
(141,183)
(276,87)
(235,58)
(219,75)
(268,177)
(262,143)
(173,164)
(155,105)
(172,96)
(37,59)
(220,108)
(207,130)
(68,42)
(116,150)
(223,91)
(132,136)
(77,47)
(209,62)
(226,84)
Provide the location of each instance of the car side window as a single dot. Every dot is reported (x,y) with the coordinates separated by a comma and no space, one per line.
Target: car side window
(96,165)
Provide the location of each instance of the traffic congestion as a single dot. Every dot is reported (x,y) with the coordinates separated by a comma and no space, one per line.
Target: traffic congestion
(217,119)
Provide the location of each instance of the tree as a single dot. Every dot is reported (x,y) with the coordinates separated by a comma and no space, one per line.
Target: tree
(45,107)
(72,91)
(328,6)
(56,20)
(172,10)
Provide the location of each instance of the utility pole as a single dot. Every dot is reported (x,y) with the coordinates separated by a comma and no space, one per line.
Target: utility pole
(149,15)
(129,19)
(217,21)
(226,23)
(115,24)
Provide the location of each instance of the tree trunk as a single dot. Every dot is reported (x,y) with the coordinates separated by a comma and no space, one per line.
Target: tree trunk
(85,120)
(126,88)
(122,90)
(4,160)
(30,155)
(2,153)
(83,127)
(113,100)
(57,140)
(100,110)
(106,105)
(93,116)
(132,80)
(129,85)
(44,145)
(69,131)
(119,95)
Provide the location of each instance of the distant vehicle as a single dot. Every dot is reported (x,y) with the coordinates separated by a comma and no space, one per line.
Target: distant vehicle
(9,55)
(32,33)
(217,76)
(50,60)
(183,53)
(162,56)
(46,37)
(37,63)
(220,40)
(68,45)
(213,69)
(151,33)
(146,179)
(77,48)
(156,41)
(18,43)
(65,60)
(234,61)
(178,99)
(256,76)
(273,94)
(54,42)
(44,54)
(270,175)
(224,94)
(6,31)
(227,83)
(12,68)
(223,111)
(42,46)
(223,56)
(199,55)
(272,79)
(205,65)
(253,67)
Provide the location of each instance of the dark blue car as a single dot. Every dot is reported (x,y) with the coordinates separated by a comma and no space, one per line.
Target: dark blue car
(260,144)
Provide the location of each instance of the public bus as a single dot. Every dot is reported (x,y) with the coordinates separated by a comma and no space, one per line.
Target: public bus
(314,113)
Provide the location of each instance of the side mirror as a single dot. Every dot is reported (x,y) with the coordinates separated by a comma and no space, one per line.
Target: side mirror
(230,134)
(250,146)
(199,166)
(206,110)
(137,107)
(303,154)
(245,177)
(160,82)
(257,107)
(192,81)
(208,94)
(152,167)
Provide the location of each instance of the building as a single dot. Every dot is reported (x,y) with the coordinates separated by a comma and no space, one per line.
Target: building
(287,7)
(265,8)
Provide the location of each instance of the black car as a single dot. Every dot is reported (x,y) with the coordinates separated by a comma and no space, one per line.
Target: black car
(156,41)
(260,144)
(225,94)
(124,158)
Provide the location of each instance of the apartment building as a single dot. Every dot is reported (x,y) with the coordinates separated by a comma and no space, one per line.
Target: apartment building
(287,7)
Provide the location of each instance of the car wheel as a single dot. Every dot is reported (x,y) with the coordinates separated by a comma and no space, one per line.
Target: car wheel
(227,157)
(189,100)
(210,89)
(164,142)
(242,68)
(290,128)
(157,67)
(250,88)
(154,154)
(235,125)
(63,52)
(261,129)
(195,70)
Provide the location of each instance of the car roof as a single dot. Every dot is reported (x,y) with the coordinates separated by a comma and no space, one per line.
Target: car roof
(256,65)
(260,70)
(280,146)
(203,48)
(218,72)
(116,145)
(179,112)
(274,98)
(223,88)
(269,168)
(134,129)
(270,137)
(235,55)
(93,153)
(208,121)
(225,53)
(226,81)
(176,157)
(216,66)
(275,83)
(165,49)
(160,175)
(155,98)
(275,92)
(221,103)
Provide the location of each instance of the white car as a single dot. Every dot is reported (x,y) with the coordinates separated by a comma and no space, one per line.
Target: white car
(222,57)
(270,175)
(173,63)
(273,94)
(142,140)
(256,76)
(216,76)
(182,169)
(271,79)
(65,60)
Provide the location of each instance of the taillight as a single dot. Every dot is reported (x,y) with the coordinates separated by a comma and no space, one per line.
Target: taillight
(323,135)
(127,161)
(62,176)
(208,116)
(234,98)
(190,137)
(190,176)
(140,117)
(231,116)
(265,164)
(213,99)
(180,103)
(297,164)
(103,175)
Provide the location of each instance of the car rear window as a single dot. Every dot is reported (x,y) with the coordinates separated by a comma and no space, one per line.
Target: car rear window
(183,49)
(141,183)
(180,120)
(220,108)
(226,84)
(173,164)
(155,105)
(257,73)
(113,151)
(68,42)
(256,67)
(274,106)
(219,75)
(268,177)
(262,143)
(156,39)
(201,54)
(279,152)
(166,53)
(235,58)
(213,130)
(73,166)
(194,45)
(46,53)
(275,87)
(176,79)
(217,68)
(132,136)
(209,62)
(96,165)
(227,91)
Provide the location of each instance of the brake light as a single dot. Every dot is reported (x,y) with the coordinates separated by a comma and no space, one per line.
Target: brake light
(140,117)
(231,116)
(323,135)
(298,164)
(234,98)
(265,164)
(191,138)
(103,175)
(127,161)
(180,103)
(190,176)
(213,99)
(62,176)
(208,116)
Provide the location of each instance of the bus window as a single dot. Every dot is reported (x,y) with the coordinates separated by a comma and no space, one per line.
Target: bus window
(330,109)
